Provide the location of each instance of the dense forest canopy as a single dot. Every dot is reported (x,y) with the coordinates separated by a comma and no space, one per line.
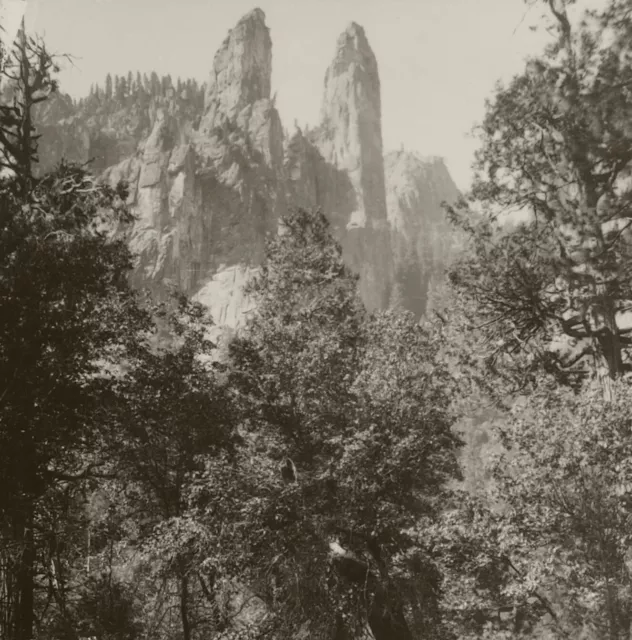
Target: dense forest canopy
(329,472)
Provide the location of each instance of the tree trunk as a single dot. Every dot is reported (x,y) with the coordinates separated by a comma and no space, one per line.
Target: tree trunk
(385,612)
(7,594)
(609,342)
(387,620)
(24,617)
(25,172)
(184,606)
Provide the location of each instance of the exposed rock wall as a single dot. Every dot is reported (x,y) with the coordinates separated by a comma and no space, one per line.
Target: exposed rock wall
(350,134)
(421,237)
(341,164)
(209,183)
(242,71)
(206,199)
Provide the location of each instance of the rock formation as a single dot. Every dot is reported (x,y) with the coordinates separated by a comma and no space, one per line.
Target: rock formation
(421,237)
(242,71)
(209,182)
(350,135)
(206,198)
(342,164)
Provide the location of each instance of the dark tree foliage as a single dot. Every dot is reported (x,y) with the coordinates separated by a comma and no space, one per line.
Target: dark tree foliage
(66,314)
(358,405)
(175,415)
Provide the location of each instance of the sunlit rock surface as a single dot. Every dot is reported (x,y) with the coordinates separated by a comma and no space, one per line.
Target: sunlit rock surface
(210,175)
(421,238)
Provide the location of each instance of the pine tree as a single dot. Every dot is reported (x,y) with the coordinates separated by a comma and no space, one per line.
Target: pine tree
(563,277)
(155,84)
(66,308)
(108,87)
(166,84)
(120,89)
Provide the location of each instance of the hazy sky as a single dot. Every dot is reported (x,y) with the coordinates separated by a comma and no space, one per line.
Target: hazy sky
(438,59)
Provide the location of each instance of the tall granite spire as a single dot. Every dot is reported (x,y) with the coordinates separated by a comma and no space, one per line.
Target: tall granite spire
(242,70)
(351,116)
(350,142)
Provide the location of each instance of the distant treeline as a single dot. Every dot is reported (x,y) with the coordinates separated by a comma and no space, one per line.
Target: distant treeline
(120,91)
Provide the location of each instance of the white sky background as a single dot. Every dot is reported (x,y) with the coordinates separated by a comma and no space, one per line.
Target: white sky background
(438,59)
(11,14)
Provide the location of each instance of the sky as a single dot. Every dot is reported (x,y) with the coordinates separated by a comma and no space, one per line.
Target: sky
(438,59)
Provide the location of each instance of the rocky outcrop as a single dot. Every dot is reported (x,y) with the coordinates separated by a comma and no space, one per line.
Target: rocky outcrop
(224,293)
(339,166)
(316,182)
(421,237)
(242,71)
(205,199)
(202,224)
(350,134)
(208,182)
(240,150)
(386,211)
(105,130)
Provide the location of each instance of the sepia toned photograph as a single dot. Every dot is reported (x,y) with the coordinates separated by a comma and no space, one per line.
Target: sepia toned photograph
(316,320)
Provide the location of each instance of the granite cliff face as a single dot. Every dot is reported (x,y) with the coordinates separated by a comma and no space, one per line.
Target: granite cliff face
(339,166)
(206,198)
(350,134)
(421,237)
(209,182)
(242,71)
(105,130)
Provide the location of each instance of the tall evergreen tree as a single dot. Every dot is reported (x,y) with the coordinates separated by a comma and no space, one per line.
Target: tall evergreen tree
(354,411)
(108,87)
(563,276)
(120,89)
(66,313)
(155,84)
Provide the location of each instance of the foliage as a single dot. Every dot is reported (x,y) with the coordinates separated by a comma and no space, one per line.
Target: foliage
(306,484)
(552,553)
(540,549)
(175,416)
(65,306)
(347,436)
(67,314)
(556,148)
